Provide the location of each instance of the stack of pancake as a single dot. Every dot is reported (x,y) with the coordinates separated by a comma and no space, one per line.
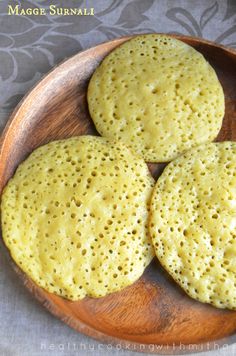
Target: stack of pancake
(84,217)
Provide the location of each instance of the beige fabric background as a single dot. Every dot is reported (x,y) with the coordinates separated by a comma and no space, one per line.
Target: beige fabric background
(29,47)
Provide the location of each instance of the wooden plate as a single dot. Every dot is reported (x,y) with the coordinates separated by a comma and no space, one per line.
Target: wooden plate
(154,314)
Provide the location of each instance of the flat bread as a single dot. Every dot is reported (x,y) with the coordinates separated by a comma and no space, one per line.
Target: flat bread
(158,95)
(74,217)
(193,222)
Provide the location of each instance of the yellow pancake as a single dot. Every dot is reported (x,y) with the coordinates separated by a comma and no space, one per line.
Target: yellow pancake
(193,222)
(158,95)
(74,217)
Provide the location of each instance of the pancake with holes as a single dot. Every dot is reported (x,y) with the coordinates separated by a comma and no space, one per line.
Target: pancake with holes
(158,95)
(74,217)
(193,222)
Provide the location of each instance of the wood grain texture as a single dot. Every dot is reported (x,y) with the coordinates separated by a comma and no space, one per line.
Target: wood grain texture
(154,310)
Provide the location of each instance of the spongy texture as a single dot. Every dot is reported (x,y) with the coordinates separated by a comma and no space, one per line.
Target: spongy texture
(193,222)
(74,217)
(158,95)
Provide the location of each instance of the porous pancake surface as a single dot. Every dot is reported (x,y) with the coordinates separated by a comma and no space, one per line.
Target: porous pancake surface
(74,217)
(158,95)
(193,222)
